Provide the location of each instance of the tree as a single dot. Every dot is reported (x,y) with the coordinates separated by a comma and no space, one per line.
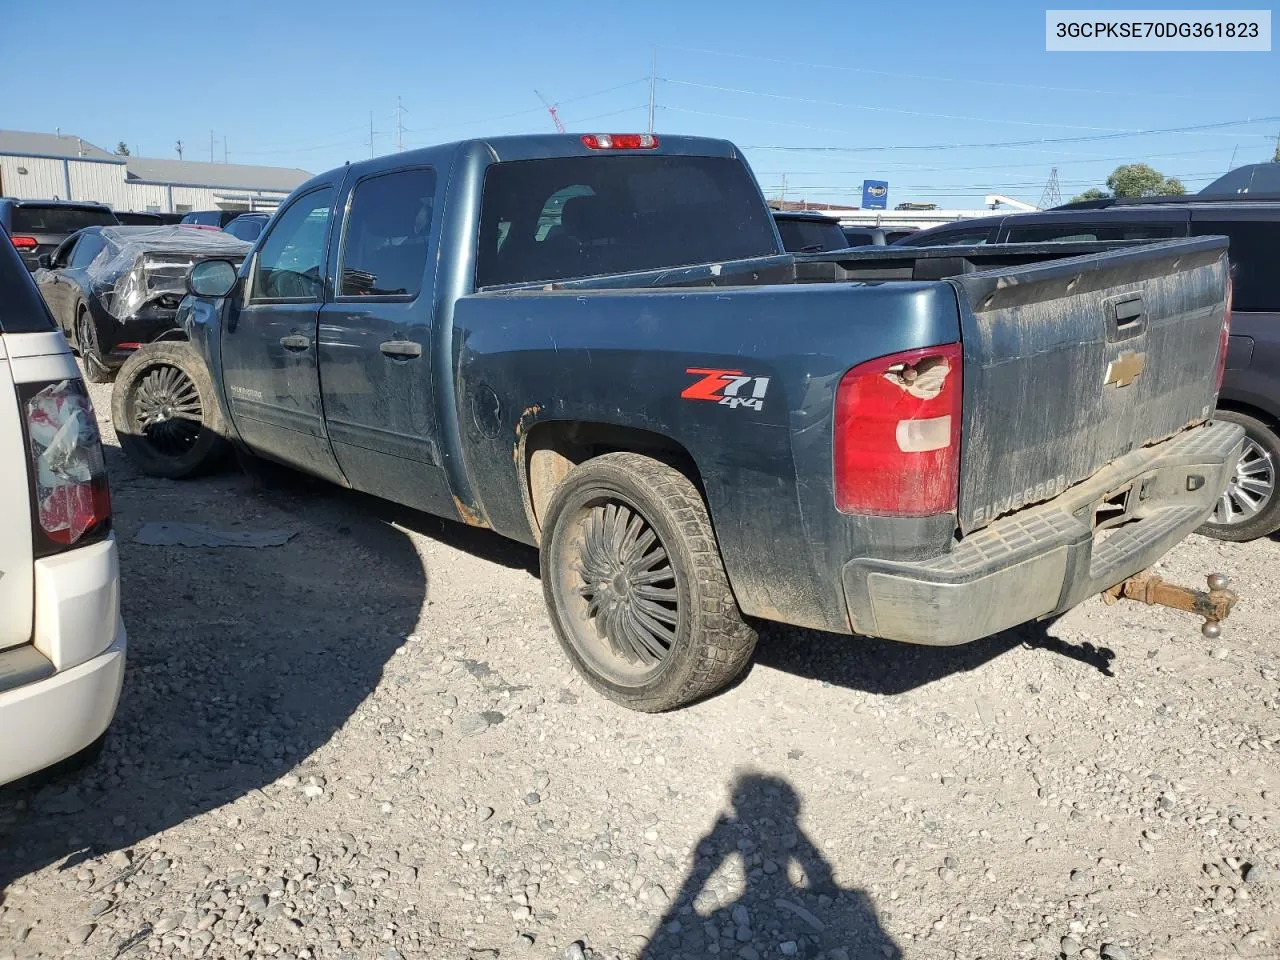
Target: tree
(1093,193)
(1142,180)
(122,149)
(1275,158)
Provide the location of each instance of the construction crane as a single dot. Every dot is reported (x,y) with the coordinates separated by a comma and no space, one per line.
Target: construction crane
(553,110)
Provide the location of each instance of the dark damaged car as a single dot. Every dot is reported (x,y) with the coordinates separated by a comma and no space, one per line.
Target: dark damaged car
(112,289)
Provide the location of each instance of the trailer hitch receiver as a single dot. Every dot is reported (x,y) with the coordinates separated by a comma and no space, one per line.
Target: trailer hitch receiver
(1214,604)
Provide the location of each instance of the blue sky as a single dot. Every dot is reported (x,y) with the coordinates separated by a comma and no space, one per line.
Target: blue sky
(292,83)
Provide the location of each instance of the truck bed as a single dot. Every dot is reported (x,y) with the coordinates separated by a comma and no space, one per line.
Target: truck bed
(1056,383)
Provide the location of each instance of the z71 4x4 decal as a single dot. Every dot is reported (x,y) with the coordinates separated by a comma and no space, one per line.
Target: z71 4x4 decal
(728,387)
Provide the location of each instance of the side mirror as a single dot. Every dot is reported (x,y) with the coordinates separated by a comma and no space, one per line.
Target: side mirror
(212,278)
(46,261)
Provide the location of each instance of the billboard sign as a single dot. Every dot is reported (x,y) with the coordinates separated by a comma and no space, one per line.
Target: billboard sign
(875,194)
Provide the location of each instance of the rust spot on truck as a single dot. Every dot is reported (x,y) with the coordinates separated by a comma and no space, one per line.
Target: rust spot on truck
(527,414)
(469,515)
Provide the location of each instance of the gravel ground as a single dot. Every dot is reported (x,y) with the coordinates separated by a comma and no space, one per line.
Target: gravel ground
(366,743)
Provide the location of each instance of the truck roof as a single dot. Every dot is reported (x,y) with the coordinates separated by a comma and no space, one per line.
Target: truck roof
(541,146)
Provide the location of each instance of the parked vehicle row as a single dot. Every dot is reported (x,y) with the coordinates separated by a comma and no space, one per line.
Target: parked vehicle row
(38,227)
(593,344)
(112,289)
(808,232)
(1249,507)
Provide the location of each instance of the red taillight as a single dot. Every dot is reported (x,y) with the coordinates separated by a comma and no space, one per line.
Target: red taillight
(70,477)
(1224,341)
(620,141)
(25,243)
(897,434)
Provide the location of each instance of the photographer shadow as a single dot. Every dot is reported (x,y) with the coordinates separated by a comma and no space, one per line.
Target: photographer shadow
(791,901)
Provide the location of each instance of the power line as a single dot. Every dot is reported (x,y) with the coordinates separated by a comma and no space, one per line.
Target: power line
(895,110)
(875,109)
(916,168)
(610,113)
(1144,93)
(1019,143)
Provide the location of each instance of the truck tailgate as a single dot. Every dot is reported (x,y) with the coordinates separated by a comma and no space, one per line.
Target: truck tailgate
(1073,363)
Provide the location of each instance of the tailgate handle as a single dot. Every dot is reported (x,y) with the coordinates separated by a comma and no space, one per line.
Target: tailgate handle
(1126,317)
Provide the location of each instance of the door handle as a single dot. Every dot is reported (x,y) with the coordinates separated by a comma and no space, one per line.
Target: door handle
(295,341)
(401,349)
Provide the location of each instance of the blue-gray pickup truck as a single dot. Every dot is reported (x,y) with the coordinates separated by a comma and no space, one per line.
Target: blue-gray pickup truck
(598,346)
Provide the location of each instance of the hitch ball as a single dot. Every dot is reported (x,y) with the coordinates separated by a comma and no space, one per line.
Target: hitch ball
(1215,606)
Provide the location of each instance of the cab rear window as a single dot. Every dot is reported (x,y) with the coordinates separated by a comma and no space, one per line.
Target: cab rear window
(559,219)
(22,309)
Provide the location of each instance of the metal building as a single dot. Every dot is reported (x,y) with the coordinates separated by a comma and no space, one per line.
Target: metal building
(57,166)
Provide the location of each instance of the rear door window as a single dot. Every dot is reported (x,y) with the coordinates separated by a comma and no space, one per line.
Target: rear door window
(88,247)
(22,309)
(811,236)
(951,238)
(384,249)
(32,218)
(1069,232)
(1255,261)
(557,219)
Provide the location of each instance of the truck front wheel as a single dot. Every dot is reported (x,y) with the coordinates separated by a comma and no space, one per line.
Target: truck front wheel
(632,574)
(165,413)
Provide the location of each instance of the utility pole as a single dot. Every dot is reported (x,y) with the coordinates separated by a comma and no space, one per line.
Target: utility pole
(399,126)
(224,149)
(653,80)
(211,146)
(783,195)
(370,134)
(179,149)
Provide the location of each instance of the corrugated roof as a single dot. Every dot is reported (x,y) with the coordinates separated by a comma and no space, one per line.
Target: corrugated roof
(199,174)
(50,145)
(177,172)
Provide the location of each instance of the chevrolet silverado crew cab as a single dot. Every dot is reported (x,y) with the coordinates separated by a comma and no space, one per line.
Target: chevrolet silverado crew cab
(598,345)
(62,642)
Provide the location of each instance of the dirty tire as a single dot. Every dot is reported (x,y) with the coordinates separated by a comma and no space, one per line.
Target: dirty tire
(186,445)
(593,512)
(95,368)
(1259,465)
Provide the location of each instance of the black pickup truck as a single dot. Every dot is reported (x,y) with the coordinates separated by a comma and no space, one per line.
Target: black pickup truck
(597,345)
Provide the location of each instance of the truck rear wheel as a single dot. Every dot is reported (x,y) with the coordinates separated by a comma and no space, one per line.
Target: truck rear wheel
(1250,506)
(165,412)
(632,574)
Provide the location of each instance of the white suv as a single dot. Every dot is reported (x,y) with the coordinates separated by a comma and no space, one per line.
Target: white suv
(62,641)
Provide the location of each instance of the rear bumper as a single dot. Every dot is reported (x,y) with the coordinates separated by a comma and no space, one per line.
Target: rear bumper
(49,720)
(59,692)
(1045,559)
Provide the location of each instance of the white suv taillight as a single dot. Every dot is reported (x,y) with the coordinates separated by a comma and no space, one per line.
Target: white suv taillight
(68,473)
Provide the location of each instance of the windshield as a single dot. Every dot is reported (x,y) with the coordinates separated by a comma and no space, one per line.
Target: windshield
(547,220)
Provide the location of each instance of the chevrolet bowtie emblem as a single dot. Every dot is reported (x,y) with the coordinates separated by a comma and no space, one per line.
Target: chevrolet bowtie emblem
(1125,369)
